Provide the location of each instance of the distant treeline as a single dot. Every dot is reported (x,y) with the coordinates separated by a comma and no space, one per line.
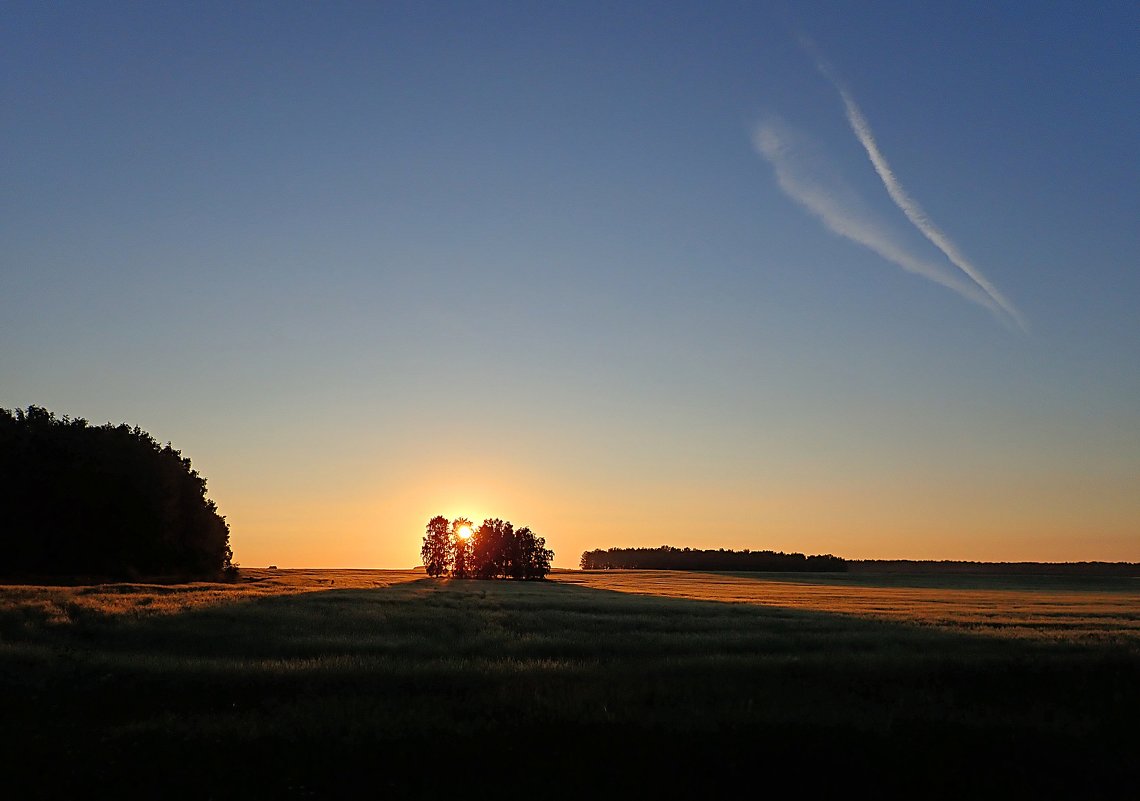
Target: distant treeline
(997,568)
(669,558)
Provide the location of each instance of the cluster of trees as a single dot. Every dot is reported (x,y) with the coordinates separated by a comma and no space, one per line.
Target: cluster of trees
(494,550)
(669,558)
(101,502)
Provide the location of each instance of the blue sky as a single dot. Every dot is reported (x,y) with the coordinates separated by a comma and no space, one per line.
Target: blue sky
(369,263)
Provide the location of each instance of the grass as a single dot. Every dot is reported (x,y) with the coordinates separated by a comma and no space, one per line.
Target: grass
(1061,608)
(309,683)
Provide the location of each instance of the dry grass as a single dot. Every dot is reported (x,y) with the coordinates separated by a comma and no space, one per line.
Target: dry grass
(302,684)
(1104,609)
(1037,608)
(63,605)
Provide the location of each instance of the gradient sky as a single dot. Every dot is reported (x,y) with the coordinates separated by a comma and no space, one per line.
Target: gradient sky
(624,273)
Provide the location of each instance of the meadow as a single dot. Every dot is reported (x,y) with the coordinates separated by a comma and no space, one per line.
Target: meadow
(329,683)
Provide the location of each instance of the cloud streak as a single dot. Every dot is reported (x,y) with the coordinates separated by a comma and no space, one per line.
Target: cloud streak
(908,205)
(841,211)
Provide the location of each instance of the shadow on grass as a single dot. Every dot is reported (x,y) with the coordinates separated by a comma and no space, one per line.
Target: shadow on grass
(525,688)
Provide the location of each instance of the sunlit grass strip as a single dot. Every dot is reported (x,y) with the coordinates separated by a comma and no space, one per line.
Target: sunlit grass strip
(1076,611)
(1062,614)
(62,605)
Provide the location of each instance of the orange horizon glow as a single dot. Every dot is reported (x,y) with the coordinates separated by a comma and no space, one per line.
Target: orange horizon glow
(364,534)
(346,510)
(623,313)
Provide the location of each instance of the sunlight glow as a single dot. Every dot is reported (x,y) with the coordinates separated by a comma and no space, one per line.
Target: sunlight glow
(465,532)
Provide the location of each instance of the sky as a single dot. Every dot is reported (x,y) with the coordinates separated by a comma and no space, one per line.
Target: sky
(828,277)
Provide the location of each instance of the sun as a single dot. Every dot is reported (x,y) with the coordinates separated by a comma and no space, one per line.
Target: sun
(465,532)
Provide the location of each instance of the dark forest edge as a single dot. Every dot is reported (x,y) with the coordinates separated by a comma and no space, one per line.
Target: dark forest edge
(667,557)
(86,503)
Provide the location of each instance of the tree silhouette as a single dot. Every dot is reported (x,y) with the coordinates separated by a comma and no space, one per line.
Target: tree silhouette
(438,551)
(669,558)
(462,568)
(496,550)
(489,552)
(101,501)
(534,556)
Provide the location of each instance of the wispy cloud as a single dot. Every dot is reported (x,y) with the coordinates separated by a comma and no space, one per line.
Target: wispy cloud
(807,182)
(908,205)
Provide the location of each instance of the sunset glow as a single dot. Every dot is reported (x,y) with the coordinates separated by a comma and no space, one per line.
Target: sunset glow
(582,399)
(732,278)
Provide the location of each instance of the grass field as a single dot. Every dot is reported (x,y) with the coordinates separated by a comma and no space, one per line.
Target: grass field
(315,683)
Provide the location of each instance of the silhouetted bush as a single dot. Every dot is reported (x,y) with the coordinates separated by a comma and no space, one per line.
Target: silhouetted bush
(495,550)
(669,558)
(101,502)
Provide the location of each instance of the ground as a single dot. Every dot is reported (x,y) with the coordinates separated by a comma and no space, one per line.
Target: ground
(317,683)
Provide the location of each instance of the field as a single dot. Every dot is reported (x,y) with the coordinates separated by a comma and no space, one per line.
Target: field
(298,684)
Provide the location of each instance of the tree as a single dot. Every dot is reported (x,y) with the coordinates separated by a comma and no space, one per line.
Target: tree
(496,550)
(491,549)
(101,501)
(438,552)
(534,556)
(462,568)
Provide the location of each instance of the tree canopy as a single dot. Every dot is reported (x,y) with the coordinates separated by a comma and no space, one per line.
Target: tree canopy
(438,552)
(494,550)
(101,501)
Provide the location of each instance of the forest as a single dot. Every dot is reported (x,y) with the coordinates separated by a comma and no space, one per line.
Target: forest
(669,558)
(89,502)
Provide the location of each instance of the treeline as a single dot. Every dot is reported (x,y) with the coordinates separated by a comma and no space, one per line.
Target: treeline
(669,558)
(995,568)
(107,501)
(494,550)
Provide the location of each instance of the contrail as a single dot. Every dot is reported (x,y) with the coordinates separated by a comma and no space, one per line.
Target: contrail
(908,205)
(837,208)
